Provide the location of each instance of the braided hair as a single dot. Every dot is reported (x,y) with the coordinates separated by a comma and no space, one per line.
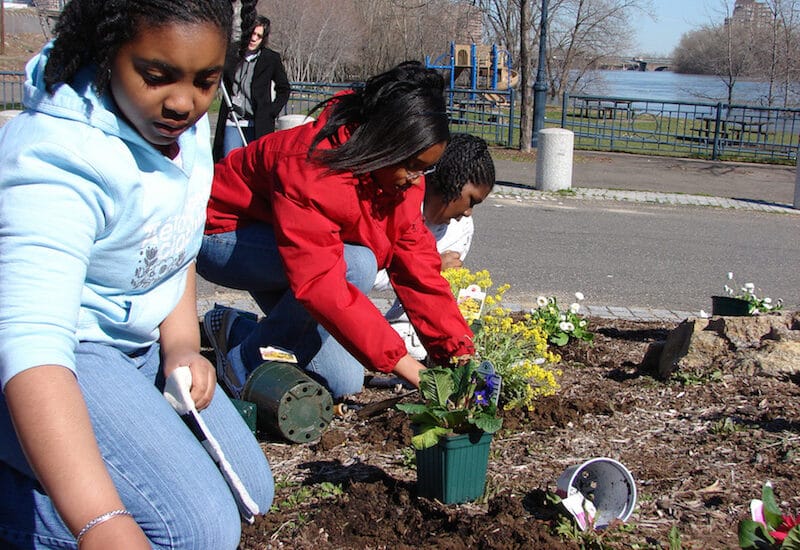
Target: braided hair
(92,31)
(394,116)
(466,160)
(250,20)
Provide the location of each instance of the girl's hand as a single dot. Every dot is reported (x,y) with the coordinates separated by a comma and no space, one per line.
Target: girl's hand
(451,260)
(409,368)
(204,376)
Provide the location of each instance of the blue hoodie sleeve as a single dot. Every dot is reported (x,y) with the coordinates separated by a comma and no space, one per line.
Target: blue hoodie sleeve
(52,208)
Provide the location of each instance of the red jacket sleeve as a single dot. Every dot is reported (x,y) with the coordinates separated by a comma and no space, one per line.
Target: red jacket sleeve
(415,273)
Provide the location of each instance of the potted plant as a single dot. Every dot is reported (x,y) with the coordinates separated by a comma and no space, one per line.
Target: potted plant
(742,302)
(453,430)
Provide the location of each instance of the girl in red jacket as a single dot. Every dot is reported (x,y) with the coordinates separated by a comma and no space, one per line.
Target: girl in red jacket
(304,218)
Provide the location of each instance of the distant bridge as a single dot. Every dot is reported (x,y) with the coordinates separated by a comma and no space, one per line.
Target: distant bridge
(637,63)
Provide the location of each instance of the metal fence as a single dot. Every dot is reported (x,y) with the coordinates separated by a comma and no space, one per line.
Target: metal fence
(473,111)
(714,131)
(704,130)
(11,90)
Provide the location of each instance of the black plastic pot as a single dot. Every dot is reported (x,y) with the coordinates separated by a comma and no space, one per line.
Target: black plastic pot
(729,306)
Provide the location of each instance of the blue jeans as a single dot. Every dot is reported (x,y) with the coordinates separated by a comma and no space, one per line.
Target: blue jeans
(248,259)
(163,475)
(231,138)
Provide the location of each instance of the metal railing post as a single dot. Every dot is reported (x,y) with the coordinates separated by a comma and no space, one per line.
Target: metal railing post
(717,128)
(511,99)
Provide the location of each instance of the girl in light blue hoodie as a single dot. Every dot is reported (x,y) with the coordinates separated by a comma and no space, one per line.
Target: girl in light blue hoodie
(104,180)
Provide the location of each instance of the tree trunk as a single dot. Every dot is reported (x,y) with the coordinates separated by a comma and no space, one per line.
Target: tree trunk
(526,90)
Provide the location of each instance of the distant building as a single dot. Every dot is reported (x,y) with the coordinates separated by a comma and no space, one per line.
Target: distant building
(751,13)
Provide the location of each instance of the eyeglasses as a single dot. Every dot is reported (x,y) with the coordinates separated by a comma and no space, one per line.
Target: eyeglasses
(412,175)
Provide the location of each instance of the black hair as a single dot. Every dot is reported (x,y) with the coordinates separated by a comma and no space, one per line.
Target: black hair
(393,117)
(465,160)
(262,21)
(92,31)
(250,20)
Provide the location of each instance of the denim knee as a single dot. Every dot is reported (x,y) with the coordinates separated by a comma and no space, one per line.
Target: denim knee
(362,267)
(202,520)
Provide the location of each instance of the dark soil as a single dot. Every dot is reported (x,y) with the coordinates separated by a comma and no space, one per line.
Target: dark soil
(699,449)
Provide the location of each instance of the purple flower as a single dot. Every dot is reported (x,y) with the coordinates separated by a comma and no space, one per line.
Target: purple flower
(480,398)
(492,382)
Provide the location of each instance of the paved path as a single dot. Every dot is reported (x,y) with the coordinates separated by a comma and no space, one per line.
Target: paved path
(627,178)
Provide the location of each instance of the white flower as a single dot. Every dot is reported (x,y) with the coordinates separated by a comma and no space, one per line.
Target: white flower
(749,287)
(574,308)
(582,323)
(566,326)
(562,317)
(703,314)
(767,300)
(539,361)
(730,275)
(728,290)
(579,296)
(541,301)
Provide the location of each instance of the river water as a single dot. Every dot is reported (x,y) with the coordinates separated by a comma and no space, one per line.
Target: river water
(668,86)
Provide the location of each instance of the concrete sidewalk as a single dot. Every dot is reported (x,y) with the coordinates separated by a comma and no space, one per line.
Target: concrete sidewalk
(663,180)
(618,177)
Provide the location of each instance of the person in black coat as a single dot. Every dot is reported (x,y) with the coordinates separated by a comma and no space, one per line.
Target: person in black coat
(249,74)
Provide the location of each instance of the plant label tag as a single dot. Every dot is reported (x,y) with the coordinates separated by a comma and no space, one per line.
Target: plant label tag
(486,369)
(271,353)
(470,301)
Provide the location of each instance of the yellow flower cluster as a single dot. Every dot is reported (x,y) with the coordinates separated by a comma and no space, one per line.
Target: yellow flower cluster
(462,277)
(470,308)
(517,346)
(529,381)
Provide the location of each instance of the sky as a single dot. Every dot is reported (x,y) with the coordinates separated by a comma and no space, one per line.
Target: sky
(673,18)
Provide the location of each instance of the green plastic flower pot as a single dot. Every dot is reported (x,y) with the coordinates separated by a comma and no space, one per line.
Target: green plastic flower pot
(729,306)
(454,470)
(247,411)
(290,403)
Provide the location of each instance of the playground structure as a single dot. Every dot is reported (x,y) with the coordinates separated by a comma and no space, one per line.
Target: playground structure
(478,67)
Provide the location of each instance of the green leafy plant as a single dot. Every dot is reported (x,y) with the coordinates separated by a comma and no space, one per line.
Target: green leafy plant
(562,325)
(456,400)
(747,292)
(725,426)
(769,529)
(674,538)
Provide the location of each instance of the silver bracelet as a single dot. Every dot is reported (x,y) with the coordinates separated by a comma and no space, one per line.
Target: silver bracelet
(100,519)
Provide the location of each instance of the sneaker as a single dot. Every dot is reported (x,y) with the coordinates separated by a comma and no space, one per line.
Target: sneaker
(217,325)
(409,335)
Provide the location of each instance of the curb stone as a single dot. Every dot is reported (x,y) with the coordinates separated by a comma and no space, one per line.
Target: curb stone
(242,300)
(651,197)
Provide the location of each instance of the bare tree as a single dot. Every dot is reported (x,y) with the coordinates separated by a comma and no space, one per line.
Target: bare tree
(312,38)
(353,39)
(730,50)
(584,32)
(788,24)
(502,20)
